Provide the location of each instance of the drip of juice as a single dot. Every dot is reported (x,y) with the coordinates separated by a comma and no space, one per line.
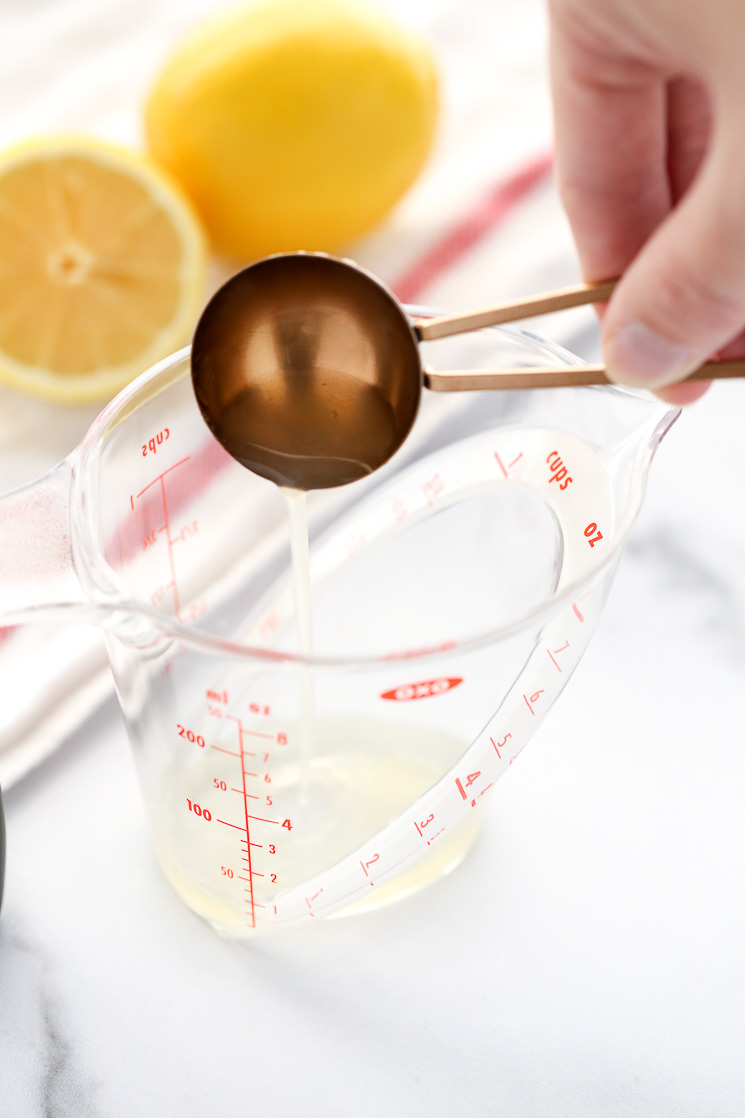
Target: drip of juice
(297,507)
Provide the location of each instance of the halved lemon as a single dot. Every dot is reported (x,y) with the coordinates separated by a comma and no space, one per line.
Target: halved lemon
(102,267)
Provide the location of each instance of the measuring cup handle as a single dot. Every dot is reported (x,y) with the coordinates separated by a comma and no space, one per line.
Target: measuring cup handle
(37,572)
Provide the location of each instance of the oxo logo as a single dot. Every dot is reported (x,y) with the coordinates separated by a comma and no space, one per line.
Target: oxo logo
(424,690)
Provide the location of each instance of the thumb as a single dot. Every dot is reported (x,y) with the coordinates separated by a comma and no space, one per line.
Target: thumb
(683,297)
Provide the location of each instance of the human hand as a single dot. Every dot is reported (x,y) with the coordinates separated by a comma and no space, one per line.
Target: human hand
(649,99)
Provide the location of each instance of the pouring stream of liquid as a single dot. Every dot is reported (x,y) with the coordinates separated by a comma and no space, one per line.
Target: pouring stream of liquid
(297,507)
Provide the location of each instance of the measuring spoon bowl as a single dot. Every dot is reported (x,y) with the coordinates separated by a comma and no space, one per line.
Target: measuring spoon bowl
(306,370)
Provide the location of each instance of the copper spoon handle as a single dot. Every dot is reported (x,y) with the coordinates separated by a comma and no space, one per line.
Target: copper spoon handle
(566,377)
(468,379)
(429,329)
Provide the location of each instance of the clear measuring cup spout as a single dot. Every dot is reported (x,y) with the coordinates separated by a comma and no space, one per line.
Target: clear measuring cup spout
(666,417)
(37,572)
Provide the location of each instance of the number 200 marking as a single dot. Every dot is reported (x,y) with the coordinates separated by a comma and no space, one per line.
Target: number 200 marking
(190,735)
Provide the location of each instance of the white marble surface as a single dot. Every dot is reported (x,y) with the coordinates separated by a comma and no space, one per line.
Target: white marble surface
(587,959)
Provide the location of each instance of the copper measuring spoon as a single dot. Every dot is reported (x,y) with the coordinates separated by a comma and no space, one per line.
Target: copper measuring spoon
(307,369)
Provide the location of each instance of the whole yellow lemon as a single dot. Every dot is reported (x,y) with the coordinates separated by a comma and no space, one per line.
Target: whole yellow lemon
(294,124)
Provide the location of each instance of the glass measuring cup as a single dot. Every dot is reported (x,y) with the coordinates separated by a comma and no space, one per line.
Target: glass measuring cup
(453,592)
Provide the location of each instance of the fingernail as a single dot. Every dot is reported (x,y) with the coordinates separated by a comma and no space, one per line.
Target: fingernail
(638,356)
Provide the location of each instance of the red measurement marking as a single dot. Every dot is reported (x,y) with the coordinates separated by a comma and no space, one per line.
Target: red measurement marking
(470,779)
(161,476)
(425,823)
(202,468)
(252,901)
(589,531)
(256,734)
(556,653)
(260,819)
(506,469)
(165,527)
(575,606)
(433,488)
(260,708)
(216,696)
(229,752)
(399,509)
(171,563)
(437,835)
(355,544)
(186,532)
(225,822)
(365,865)
(240,878)
(309,901)
(269,625)
(196,609)
(500,745)
(533,699)
(557,470)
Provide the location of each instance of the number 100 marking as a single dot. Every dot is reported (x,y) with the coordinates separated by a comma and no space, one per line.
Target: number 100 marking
(203,811)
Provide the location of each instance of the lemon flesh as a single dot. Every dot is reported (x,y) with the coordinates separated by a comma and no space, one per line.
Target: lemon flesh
(294,124)
(102,265)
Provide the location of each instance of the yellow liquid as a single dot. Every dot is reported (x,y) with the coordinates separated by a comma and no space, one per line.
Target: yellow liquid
(363,774)
(308,433)
(297,507)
